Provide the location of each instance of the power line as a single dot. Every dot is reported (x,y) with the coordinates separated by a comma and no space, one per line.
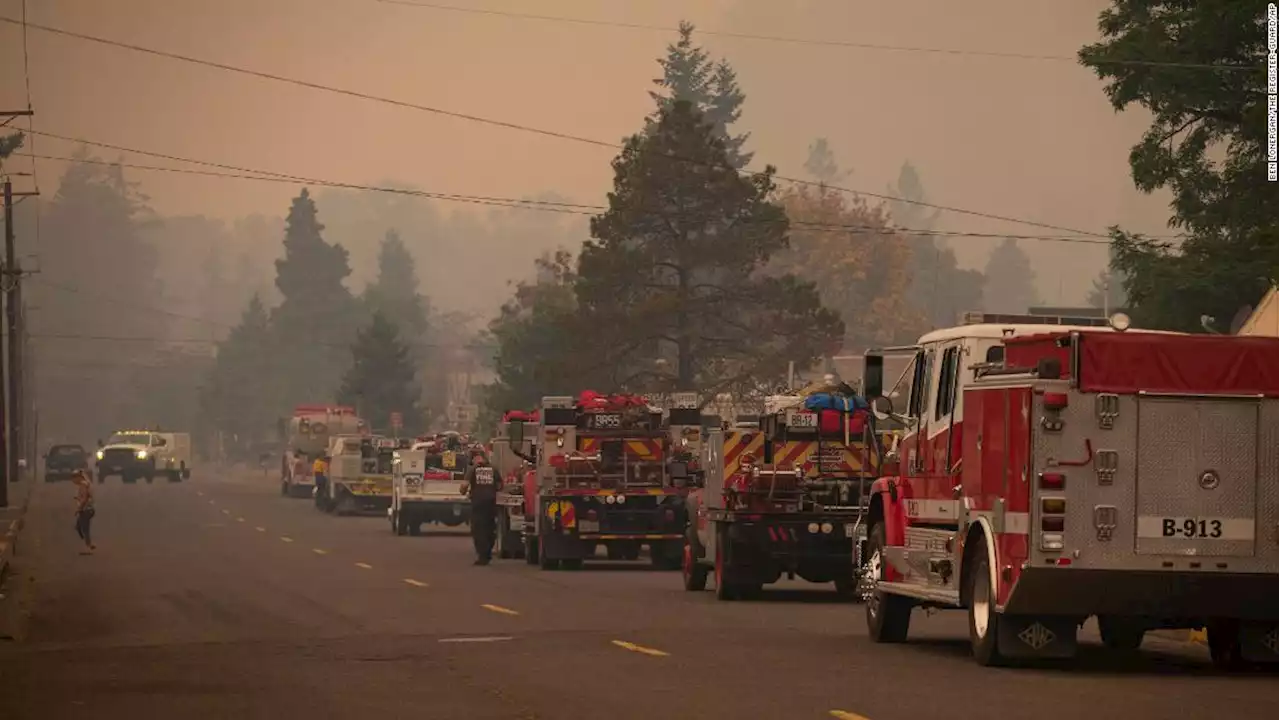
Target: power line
(155,339)
(124,303)
(810,41)
(551,206)
(512,125)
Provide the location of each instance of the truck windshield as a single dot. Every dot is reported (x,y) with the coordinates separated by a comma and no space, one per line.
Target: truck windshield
(129,439)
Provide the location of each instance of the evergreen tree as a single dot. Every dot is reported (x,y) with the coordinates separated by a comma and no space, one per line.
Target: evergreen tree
(674,271)
(395,291)
(689,74)
(318,315)
(1010,284)
(821,163)
(1206,145)
(382,378)
(242,397)
(9,144)
(940,288)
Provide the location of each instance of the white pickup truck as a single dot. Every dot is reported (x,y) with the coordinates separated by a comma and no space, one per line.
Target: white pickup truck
(134,454)
(426,488)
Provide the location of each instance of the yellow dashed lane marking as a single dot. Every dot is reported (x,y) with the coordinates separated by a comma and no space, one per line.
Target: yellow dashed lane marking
(199,494)
(260,529)
(286,538)
(415,583)
(318,551)
(226,512)
(366,566)
(499,609)
(845,715)
(239,519)
(212,502)
(639,648)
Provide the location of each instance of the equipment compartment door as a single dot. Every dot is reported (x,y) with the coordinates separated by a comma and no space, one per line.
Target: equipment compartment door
(1197,476)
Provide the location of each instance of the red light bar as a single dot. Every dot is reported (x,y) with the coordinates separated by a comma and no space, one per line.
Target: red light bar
(1052,480)
(1055,400)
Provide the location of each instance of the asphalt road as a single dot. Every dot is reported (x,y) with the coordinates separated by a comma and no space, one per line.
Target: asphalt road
(217,598)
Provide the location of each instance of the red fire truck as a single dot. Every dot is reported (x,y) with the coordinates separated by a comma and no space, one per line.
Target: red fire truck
(785,497)
(603,478)
(1050,473)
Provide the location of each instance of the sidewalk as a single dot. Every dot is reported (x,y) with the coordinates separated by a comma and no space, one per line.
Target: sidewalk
(11,520)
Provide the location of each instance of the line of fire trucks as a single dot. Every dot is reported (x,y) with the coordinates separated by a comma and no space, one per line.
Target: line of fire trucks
(1039,472)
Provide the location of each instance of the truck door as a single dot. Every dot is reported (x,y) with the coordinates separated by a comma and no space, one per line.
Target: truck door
(945,421)
(914,449)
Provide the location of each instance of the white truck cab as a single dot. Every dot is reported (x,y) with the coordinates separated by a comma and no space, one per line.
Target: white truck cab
(134,454)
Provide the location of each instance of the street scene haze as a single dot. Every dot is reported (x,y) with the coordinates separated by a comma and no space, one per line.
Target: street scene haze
(703,359)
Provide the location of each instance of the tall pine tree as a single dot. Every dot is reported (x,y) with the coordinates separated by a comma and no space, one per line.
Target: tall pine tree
(689,74)
(940,288)
(317,318)
(382,378)
(1011,284)
(394,292)
(242,397)
(674,275)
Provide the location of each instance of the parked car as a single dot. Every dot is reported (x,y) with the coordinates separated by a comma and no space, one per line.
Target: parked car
(62,461)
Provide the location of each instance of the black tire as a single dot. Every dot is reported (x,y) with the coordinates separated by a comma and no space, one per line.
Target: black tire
(1121,634)
(546,563)
(888,615)
(665,555)
(693,573)
(725,591)
(571,564)
(846,588)
(531,551)
(284,489)
(1224,646)
(984,621)
(415,527)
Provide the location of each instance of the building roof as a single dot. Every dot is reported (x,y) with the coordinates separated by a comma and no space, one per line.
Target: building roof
(1264,319)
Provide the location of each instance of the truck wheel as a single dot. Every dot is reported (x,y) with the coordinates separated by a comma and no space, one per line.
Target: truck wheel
(415,526)
(845,588)
(547,563)
(531,551)
(888,615)
(284,489)
(571,564)
(1121,634)
(695,575)
(984,621)
(150,478)
(665,555)
(1224,645)
(724,591)
(175,476)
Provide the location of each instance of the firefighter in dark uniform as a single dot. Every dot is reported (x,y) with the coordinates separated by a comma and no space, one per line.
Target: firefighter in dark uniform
(480,483)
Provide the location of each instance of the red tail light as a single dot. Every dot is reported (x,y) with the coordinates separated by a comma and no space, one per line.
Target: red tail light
(669,514)
(1055,400)
(1052,480)
(591,515)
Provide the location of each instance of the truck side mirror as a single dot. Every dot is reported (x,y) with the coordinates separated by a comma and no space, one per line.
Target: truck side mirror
(873,376)
(515,432)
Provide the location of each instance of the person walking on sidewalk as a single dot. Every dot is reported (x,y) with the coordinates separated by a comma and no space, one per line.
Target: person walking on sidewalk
(84,510)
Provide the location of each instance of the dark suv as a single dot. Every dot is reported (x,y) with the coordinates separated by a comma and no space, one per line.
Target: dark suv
(62,461)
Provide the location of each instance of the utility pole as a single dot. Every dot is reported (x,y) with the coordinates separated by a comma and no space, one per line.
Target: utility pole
(10,280)
(10,393)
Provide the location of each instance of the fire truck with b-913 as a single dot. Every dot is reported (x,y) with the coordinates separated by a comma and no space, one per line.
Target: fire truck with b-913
(602,476)
(1057,470)
(785,496)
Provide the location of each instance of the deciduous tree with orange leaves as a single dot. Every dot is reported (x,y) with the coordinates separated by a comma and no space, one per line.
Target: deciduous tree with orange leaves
(861,266)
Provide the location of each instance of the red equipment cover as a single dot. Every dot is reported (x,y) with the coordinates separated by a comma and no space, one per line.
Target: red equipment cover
(829,421)
(1199,364)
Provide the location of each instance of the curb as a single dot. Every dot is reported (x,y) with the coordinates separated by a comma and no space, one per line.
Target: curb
(9,541)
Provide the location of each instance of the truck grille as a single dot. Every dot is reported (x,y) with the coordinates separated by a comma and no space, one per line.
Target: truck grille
(1197,476)
(119,456)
